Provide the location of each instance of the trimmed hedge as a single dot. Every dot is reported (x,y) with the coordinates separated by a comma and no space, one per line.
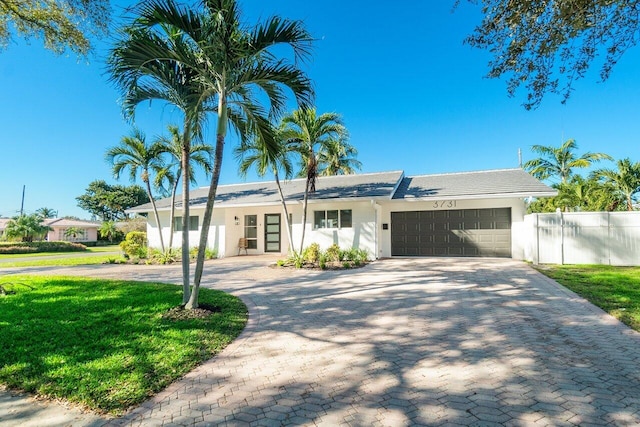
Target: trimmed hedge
(34,247)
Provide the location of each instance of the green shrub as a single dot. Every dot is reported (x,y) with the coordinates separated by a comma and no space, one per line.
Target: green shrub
(296,259)
(322,262)
(134,244)
(156,256)
(33,247)
(312,253)
(333,253)
(208,253)
(15,249)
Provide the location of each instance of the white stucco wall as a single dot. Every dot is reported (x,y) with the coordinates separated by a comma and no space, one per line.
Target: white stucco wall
(215,240)
(366,231)
(362,233)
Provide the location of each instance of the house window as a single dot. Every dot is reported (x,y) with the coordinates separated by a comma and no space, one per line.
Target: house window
(251,231)
(193,223)
(332,219)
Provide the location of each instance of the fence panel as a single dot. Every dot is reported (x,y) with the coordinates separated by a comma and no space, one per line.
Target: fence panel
(583,238)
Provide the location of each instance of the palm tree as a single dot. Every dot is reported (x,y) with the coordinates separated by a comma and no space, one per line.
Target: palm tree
(135,154)
(151,62)
(26,228)
(625,181)
(46,213)
(264,157)
(306,132)
(108,230)
(206,60)
(73,232)
(337,157)
(560,162)
(199,155)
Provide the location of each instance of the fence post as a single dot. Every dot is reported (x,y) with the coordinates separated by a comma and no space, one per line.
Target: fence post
(559,211)
(537,239)
(609,237)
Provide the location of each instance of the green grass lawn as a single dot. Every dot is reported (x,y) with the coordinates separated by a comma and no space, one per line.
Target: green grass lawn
(614,289)
(104,344)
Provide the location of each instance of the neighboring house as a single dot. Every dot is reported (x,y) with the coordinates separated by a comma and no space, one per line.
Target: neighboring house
(387,214)
(88,231)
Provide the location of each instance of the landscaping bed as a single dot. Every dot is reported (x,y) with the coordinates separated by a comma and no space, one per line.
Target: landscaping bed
(333,258)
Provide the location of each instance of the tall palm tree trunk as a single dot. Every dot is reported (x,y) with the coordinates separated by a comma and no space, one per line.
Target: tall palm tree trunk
(284,209)
(186,280)
(305,202)
(155,210)
(172,215)
(208,211)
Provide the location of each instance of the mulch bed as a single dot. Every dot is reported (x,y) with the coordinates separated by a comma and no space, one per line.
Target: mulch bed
(179,313)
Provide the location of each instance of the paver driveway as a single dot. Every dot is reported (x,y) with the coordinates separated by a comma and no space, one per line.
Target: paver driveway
(406,342)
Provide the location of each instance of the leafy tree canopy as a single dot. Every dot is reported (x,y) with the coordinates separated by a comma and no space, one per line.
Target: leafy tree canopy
(109,202)
(61,24)
(546,45)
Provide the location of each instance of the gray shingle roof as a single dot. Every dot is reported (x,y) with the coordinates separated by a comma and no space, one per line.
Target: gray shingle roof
(492,183)
(381,186)
(371,185)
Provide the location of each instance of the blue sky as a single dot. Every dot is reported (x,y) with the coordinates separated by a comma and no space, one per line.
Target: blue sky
(412,95)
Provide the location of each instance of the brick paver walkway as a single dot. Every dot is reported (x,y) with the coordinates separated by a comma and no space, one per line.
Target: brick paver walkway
(406,342)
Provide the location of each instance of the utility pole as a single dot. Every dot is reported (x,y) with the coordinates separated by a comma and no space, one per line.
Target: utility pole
(22,204)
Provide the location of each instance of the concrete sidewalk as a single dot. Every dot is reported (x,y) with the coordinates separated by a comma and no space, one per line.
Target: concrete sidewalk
(403,342)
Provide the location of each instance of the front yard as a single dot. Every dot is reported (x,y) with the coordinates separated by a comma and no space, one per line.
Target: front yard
(616,290)
(105,344)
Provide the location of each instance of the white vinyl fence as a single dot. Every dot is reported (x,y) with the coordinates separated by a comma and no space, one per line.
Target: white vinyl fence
(611,238)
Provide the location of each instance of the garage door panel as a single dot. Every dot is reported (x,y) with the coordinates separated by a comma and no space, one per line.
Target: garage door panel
(470,232)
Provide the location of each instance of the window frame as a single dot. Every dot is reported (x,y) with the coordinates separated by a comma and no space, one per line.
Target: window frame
(177,223)
(252,242)
(324,220)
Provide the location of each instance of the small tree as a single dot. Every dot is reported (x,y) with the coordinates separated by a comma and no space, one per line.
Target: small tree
(26,228)
(134,244)
(108,230)
(74,233)
(625,181)
(306,132)
(560,162)
(46,213)
(135,154)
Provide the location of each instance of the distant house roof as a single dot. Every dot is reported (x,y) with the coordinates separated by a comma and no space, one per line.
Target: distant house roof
(380,186)
(64,222)
(57,222)
(481,184)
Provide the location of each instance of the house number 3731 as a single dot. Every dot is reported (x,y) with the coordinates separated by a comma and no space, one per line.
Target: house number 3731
(444,204)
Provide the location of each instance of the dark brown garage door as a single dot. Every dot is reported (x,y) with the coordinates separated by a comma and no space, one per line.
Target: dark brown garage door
(467,232)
